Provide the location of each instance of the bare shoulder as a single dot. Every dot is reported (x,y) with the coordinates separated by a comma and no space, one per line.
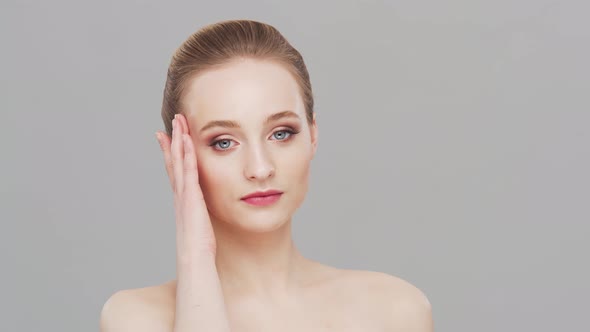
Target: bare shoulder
(149,309)
(402,305)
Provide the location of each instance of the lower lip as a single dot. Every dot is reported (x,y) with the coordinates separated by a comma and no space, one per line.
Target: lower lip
(262,200)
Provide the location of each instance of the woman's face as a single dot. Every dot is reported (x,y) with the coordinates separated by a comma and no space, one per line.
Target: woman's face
(248,123)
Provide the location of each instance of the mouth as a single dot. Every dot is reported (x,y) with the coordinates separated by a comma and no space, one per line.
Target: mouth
(262,198)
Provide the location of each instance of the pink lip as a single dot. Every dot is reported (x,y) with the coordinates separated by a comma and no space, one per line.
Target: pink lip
(262,198)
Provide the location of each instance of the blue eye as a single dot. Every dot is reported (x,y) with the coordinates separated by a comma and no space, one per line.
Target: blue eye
(223,144)
(284,134)
(279,135)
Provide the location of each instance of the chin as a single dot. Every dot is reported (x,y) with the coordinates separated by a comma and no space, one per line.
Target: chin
(257,219)
(254,219)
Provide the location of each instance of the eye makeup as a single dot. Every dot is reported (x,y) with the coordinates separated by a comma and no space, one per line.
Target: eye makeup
(289,131)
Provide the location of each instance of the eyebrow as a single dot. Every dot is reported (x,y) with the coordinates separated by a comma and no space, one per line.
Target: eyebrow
(234,124)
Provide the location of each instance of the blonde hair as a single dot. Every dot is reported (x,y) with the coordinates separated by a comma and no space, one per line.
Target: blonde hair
(218,44)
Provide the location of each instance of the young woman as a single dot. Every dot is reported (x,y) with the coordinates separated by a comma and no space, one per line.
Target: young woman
(240,136)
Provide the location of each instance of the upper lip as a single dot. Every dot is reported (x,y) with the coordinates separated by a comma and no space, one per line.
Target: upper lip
(262,193)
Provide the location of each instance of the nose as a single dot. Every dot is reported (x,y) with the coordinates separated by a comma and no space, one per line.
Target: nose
(259,165)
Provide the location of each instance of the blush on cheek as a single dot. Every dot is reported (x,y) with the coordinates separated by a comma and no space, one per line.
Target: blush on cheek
(298,168)
(217,178)
(204,172)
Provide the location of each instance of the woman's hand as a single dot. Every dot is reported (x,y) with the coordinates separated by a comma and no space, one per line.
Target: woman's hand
(200,305)
(194,234)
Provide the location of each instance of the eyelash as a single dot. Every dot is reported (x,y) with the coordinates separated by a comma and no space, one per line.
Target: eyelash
(290,131)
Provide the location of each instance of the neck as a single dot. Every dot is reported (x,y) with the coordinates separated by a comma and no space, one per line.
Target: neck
(257,263)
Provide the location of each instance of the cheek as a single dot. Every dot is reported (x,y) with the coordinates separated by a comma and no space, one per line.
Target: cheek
(213,173)
(295,165)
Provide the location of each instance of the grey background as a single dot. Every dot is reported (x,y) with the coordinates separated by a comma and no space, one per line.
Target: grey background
(453,152)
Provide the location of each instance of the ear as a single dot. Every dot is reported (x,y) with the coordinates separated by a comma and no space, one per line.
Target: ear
(314,135)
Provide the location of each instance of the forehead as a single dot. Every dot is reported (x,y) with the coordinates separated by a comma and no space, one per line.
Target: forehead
(244,89)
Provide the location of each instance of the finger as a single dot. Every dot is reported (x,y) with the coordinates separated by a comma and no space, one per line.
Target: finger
(177,157)
(184,123)
(165,141)
(191,175)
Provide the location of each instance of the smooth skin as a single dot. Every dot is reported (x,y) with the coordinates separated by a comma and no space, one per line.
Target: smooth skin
(237,266)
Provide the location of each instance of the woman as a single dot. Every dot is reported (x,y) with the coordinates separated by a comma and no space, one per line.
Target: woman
(240,136)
